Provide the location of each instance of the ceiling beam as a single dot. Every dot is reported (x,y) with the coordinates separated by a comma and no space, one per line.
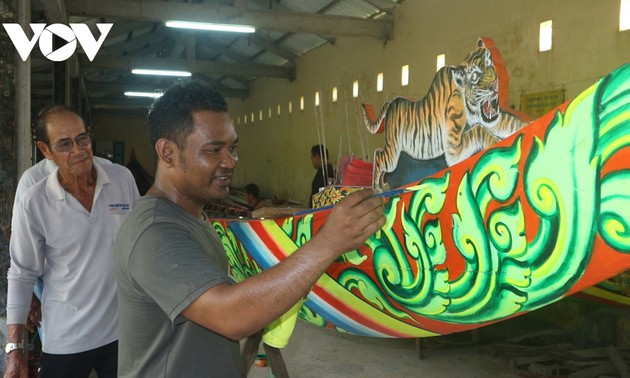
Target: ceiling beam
(320,24)
(123,86)
(120,87)
(135,43)
(380,9)
(194,66)
(215,48)
(120,103)
(273,48)
(124,27)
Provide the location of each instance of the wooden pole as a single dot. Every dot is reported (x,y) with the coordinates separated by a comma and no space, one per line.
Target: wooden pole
(25,156)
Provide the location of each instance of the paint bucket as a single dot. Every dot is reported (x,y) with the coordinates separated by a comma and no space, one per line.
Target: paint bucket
(261,360)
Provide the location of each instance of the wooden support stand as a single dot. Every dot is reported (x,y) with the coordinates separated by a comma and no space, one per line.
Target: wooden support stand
(250,350)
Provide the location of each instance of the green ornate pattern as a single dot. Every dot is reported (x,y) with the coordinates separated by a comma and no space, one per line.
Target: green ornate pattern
(526,241)
(541,215)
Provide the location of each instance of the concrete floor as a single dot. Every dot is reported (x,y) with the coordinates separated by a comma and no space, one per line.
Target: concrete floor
(316,352)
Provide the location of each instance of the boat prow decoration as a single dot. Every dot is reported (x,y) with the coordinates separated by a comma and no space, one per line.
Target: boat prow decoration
(539,216)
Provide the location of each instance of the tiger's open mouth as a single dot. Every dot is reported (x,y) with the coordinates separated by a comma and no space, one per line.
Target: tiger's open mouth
(490,108)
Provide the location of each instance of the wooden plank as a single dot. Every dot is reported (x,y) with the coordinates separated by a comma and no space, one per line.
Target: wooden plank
(595,371)
(578,365)
(618,362)
(524,361)
(248,355)
(545,333)
(276,362)
(546,369)
(595,353)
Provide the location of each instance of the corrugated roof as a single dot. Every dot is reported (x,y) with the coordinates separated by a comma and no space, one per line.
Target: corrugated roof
(286,29)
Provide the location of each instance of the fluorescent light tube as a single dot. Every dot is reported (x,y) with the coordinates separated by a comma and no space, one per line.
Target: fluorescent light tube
(141,71)
(143,94)
(210,26)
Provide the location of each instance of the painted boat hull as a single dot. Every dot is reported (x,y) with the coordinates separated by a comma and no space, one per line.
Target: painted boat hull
(542,215)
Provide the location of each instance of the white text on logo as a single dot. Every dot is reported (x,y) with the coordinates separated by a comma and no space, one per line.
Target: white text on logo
(44,34)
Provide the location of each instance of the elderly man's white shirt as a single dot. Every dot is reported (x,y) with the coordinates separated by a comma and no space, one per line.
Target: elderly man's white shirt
(54,236)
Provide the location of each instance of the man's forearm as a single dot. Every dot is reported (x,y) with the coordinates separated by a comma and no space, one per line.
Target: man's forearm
(16,365)
(15,333)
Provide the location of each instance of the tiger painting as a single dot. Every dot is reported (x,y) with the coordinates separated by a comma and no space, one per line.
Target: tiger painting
(459,116)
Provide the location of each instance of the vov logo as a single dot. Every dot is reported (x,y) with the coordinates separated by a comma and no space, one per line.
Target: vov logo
(44,34)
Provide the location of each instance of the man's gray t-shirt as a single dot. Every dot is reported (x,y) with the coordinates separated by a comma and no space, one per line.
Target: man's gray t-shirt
(165,259)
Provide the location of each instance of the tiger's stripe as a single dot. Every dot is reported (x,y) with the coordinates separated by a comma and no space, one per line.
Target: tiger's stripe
(458,117)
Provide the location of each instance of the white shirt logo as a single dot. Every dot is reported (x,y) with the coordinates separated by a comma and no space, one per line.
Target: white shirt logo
(44,34)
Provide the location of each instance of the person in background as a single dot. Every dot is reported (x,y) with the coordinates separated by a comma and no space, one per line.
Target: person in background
(252,196)
(181,313)
(63,230)
(325,174)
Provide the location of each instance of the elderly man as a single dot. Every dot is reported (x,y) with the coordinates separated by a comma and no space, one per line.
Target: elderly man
(63,230)
(31,176)
(181,314)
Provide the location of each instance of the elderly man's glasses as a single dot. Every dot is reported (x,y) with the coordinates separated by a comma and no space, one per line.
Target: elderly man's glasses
(66,144)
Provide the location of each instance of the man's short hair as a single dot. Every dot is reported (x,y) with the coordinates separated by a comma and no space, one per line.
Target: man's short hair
(39,131)
(252,189)
(170,116)
(317,149)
